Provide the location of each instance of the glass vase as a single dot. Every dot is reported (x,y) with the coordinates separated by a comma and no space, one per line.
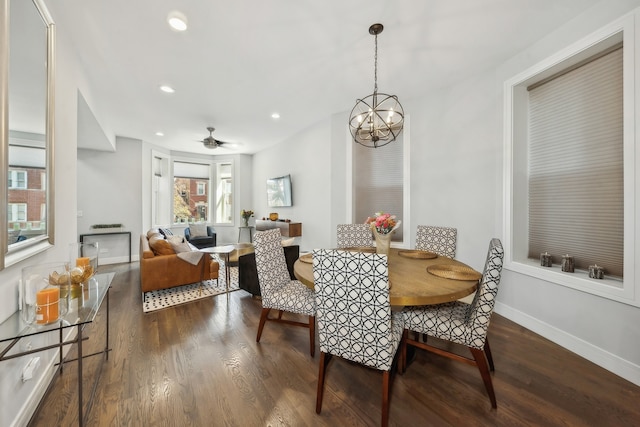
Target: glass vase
(83,262)
(383,242)
(44,292)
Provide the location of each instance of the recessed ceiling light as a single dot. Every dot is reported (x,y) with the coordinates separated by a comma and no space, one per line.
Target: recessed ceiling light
(159,134)
(177,21)
(275,116)
(167,89)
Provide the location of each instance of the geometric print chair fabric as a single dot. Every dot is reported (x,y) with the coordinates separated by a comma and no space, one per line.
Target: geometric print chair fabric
(439,240)
(278,290)
(354,315)
(354,235)
(462,323)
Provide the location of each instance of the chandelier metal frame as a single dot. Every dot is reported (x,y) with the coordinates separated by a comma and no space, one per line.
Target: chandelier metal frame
(377,119)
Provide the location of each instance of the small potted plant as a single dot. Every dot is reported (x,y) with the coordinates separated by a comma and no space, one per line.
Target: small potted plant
(246,214)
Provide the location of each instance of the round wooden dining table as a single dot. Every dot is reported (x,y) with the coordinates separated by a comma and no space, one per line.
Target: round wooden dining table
(410,282)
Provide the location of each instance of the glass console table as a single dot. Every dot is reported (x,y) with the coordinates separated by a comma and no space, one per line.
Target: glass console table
(80,314)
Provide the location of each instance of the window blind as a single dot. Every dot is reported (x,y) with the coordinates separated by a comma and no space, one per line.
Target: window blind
(576,198)
(379,182)
(190,170)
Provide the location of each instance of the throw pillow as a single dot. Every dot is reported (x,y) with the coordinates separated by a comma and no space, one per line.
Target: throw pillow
(160,246)
(198,230)
(166,232)
(151,232)
(178,245)
(175,239)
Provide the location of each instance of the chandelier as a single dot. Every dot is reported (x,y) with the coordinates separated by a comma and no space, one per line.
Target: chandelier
(377,119)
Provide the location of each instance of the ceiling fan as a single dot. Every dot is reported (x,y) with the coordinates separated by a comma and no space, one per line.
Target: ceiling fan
(211,142)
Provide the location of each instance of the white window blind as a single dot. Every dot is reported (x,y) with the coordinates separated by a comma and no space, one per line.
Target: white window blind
(576,196)
(379,182)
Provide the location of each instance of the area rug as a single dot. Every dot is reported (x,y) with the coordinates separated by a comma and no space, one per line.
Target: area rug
(165,298)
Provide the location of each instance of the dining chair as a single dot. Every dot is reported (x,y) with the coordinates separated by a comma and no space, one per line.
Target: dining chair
(354,235)
(355,321)
(461,323)
(439,240)
(278,290)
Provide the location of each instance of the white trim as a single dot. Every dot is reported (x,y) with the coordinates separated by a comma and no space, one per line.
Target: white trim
(622,29)
(597,355)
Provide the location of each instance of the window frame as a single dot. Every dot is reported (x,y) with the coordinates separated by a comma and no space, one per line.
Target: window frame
(214,193)
(13,210)
(209,164)
(515,162)
(14,174)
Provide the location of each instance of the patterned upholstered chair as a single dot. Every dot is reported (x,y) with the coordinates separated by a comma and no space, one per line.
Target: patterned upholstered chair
(277,288)
(439,240)
(355,321)
(461,323)
(354,235)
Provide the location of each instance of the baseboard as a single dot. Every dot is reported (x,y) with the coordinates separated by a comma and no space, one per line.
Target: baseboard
(609,361)
(114,260)
(43,382)
(30,406)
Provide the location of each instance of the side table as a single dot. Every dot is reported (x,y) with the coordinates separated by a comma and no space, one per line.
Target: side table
(224,251)
(14,329)
(249,229)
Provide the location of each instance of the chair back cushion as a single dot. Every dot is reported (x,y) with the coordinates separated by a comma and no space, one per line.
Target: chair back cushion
(439,240)
(198,230)
(354,235)
(485,299)
(270,263)
(353,310)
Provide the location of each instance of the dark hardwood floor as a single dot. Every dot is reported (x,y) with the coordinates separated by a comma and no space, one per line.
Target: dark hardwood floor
(199,365)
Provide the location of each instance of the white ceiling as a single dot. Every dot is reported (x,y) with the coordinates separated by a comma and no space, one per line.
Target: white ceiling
(240,61)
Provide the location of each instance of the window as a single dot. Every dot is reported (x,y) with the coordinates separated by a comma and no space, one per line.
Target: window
(189,204)
(380,182)
(575,165)
(18,179)
(223,193)
(17,212)
(202,188)
(570,164)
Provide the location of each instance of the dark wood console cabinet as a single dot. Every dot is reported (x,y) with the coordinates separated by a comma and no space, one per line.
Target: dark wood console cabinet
(287,229)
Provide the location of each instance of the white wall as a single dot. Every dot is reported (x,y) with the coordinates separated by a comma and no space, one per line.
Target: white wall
(109,188)
(308,158)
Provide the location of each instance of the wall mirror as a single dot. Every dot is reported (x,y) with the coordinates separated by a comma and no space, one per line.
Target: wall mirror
(26,129)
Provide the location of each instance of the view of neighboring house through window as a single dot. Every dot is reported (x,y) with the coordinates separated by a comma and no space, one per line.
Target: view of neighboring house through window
(26,204)
(191,191)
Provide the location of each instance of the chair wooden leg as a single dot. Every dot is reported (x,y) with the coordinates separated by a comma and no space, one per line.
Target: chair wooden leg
(402,363)
(487,351)
(263,320)
(324,361)
(386,391)
(481,362)
(280,314)
(312,335)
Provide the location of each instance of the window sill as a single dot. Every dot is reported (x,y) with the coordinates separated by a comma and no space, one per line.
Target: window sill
(17,255)
(610,287)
